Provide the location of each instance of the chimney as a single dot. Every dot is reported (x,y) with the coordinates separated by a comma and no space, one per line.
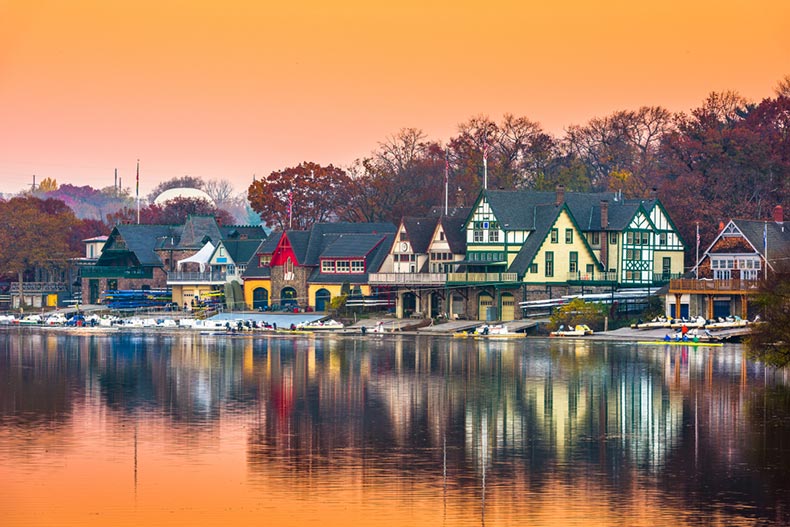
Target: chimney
(604,214)
(560,195)
(779,214)
(654,193)
(459,198)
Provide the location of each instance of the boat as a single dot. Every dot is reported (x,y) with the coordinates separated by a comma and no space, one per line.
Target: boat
(696,322)
(579,331)
(498,331)
(321,325)
(658,322)
(727,323)
(680,343)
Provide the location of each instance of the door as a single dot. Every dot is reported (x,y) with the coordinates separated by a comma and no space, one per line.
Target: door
(508,307)
(260,298)
(322,299)
(484,301)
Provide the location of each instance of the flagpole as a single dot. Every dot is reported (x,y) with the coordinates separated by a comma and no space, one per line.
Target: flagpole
(446,178)
(765,244)
(485,163)
(138,192)
(696,265)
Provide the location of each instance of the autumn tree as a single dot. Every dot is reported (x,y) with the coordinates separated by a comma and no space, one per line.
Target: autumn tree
(47,185)
(769,340)
(33,232)
(626,142)
(311,192)
(726,159)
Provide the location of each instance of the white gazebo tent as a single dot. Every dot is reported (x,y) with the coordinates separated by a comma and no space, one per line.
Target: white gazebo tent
(201,257)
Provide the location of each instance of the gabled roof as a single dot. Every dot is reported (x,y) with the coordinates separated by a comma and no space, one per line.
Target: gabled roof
(455,233)
(267,247)
(240,251)
(516,210)
(299,241)
(778,236)
(545,220)
(419,232)
(545,217)
(197,230)
(140,240)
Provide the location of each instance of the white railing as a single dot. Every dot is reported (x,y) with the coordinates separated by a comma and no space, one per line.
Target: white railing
(195,277)
(482,277)
(407,278)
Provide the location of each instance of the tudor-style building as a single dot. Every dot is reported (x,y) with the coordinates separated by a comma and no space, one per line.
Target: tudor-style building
(542,245)
(306,269)
(729,271)
(523,246)
(415,270)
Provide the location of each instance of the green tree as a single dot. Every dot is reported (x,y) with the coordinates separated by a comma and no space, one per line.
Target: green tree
(576,312)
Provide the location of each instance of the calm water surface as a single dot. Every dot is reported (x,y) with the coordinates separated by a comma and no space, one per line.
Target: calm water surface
(156,429)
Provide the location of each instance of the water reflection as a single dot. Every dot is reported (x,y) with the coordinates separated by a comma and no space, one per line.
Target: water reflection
(456,432)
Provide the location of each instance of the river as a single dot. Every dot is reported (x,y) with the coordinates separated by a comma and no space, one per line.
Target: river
(186,429)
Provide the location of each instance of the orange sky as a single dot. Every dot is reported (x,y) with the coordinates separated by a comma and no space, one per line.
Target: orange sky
(231,89)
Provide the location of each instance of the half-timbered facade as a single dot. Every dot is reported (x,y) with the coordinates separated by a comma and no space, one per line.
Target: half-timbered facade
(729,270)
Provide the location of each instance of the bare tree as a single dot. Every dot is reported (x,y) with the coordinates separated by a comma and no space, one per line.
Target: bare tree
(220,190)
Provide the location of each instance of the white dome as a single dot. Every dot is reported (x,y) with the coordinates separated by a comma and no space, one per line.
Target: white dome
(189,193)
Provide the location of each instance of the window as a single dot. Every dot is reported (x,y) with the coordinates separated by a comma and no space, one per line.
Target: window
(596,238)
(662,238)
(568,235)
(328,266)
(357,266)
(633,254)
(645,238)
(264,259)
(549,263)
(404,236)
(441,236)
(477,236)
(574,262)
(231,269)
(555,236)
(342,266)
(221,251)
(533,268)
(666,268)
(613,238)
(493,236)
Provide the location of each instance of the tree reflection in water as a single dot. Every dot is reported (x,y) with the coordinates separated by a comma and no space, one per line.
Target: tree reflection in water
(506,426)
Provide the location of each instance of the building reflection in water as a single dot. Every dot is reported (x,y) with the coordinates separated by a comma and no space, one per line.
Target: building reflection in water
(468,417)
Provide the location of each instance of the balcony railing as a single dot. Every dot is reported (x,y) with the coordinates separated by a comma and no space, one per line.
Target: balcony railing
(713,286)
(112,271)
(592,278)
(407,278)
(663,278)
(196,277)
(478,278)
(39,287)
